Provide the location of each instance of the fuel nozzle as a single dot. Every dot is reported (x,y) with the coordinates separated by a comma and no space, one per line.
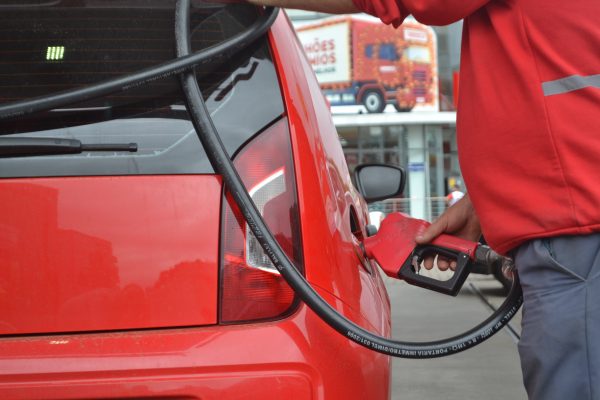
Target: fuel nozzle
(485,255)
(395,250)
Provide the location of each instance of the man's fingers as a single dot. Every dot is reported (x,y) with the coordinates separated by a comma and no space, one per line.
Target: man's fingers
(428,262)
(432,231)
(453,265)
(443,263)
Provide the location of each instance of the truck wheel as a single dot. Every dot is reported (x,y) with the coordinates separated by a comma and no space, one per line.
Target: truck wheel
(403,109)
(373,101)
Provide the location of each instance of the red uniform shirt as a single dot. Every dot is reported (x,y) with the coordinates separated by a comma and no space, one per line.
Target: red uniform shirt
(528,123)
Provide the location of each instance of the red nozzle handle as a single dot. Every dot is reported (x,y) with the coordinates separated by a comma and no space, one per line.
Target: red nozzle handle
(394,249)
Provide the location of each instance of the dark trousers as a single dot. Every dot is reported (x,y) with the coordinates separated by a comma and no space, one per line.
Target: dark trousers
(560,343)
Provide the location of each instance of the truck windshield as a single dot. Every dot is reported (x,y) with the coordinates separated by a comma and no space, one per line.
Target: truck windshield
(418,54)
(60,45)
(387,51)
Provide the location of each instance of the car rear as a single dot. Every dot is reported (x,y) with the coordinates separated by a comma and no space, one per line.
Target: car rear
(131,274)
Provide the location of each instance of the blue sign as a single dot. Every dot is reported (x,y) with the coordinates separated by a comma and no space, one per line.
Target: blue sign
(416,167)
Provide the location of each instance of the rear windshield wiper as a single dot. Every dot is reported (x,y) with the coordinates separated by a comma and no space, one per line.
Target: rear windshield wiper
(25,147)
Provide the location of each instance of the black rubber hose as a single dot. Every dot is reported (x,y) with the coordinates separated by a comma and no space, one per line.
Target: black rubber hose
(223,165)
(217,53)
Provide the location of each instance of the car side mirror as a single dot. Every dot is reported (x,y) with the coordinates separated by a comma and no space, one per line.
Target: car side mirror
(379,181)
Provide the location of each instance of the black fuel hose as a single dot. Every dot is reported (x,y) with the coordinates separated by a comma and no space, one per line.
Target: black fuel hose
(223,165)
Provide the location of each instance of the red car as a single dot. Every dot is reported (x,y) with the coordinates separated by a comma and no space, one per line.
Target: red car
(127,271)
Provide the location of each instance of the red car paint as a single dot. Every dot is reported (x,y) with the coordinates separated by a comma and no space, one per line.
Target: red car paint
(99,262)
(182,353)
(321,167)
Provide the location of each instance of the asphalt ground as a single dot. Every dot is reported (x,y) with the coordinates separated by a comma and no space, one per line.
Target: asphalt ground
(488,371)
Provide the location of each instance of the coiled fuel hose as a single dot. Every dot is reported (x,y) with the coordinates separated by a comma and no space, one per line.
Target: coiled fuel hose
(223,165)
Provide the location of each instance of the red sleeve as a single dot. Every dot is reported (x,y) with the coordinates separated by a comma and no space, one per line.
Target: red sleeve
(389,11)
(430,12)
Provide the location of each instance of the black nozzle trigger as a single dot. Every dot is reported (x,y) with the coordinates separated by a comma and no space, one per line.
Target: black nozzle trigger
(411,267)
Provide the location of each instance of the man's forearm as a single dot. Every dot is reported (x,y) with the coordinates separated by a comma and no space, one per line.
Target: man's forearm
(327,6)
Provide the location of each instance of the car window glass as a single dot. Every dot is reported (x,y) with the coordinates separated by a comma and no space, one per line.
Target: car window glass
(65,45)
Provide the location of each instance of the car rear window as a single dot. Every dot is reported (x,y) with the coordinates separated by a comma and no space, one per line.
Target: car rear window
(53,46)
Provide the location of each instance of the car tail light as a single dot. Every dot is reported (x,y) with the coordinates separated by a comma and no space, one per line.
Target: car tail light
(250,287)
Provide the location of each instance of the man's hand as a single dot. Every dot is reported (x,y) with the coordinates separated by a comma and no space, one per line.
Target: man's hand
(459,220)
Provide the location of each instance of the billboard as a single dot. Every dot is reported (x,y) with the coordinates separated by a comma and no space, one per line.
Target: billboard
(328,51)
(360,61)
